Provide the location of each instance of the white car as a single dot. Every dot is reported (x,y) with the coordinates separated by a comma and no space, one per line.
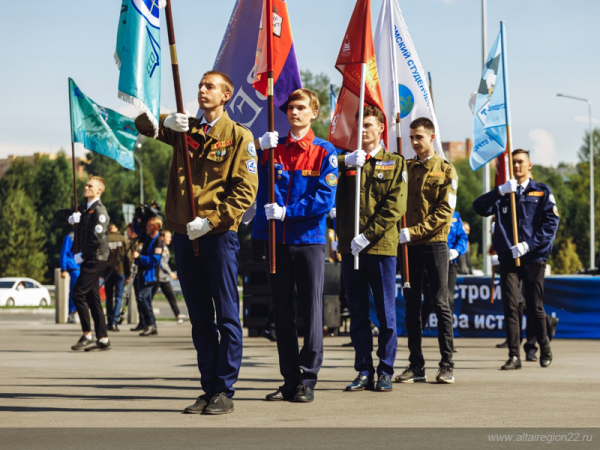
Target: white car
(23,292)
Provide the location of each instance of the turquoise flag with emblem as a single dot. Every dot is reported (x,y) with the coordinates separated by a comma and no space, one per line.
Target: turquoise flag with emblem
(138,55)
(100,129)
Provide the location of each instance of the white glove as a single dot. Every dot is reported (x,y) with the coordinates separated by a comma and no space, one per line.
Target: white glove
(508,187)
(453,254)
(77,257)
(177,122)
(197,228)
(493,227)
(334,245)
(274,211)
(269,140)
(404,236)
(358,244)
(356,159)
(333,213)
(519,250)
(495,260)
(74,218)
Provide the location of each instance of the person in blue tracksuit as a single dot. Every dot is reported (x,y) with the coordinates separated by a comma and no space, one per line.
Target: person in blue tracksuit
(67,264)
(458,243)
(148,260)
(305,184)
(537,222)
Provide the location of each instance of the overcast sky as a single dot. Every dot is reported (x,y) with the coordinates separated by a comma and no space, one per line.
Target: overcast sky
(553,46)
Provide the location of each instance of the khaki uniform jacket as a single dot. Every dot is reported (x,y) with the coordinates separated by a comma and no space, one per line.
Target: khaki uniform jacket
(224,173)
(432,189)
(382,203)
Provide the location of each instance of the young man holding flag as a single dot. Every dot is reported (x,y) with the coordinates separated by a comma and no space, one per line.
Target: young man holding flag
(537,218)
(225,181)
(432,185)
(305,184)
(384,183)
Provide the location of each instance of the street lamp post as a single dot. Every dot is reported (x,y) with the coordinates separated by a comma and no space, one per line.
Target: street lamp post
(592,202)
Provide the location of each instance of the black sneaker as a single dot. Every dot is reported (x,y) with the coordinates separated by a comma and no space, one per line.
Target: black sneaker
(82,344)
(219,404)
(304,394)
(149,331)
(98,346)
(445,375)
(412,375)
(198,407)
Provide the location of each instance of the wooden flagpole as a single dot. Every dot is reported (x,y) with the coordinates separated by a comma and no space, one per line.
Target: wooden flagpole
(182,136)
(271,128)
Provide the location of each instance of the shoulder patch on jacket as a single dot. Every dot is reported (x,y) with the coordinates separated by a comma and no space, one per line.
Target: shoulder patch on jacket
(331,180)
(251,166)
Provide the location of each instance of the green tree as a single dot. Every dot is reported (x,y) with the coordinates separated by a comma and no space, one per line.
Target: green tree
(320,83)
(22,240)
(566,261)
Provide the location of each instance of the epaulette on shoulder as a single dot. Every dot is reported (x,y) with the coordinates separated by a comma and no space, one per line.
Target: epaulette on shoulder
(242,126)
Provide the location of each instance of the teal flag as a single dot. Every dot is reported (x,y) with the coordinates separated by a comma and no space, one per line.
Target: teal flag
(100,129)
(138,55)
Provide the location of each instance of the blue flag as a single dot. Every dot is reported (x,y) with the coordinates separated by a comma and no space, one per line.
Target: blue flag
(491,113)
(138,55)
(237,58)
(332,102)
(101,130)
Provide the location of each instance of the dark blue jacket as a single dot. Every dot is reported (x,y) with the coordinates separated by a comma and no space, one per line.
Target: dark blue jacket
(150,257)
(537,221)
(457,238)
(66,261)
(306,177)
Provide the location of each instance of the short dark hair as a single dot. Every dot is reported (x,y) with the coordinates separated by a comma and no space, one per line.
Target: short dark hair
(372,111)
(520,151)
(422,122)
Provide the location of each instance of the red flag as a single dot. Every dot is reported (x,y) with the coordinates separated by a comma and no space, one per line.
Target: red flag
(502,172)
(357,48)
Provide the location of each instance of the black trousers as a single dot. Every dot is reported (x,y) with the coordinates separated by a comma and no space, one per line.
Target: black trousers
(86,297)
(428,270)
(303,267)
(427,307)
(167,290)
(532,277)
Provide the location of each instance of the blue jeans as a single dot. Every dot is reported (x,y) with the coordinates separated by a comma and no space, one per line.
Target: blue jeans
(144,295)
(73,274)
(114,283)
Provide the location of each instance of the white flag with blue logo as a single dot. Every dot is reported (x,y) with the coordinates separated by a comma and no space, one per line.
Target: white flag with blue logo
(490,114)
(402,78)
(138,55)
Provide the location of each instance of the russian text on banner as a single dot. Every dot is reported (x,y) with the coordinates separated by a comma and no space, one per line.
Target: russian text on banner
(100,129)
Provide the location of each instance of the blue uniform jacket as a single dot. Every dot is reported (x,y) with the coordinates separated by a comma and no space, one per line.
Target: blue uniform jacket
(66,261)
(457,238)
(537,221)
(150,257)
(306,176)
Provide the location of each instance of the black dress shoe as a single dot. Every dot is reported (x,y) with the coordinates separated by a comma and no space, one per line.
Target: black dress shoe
(98,347)
(384,384)
(219,404)
(545,353)
(285,392)
(361,383)
(513,363)
(199,406)
(552,330)
(138,328)
(304,394)
(531,356)
(502,345)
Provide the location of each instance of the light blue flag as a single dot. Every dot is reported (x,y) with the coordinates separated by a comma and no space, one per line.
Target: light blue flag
(332,101)
(138,55)
(101,130)
(491,112)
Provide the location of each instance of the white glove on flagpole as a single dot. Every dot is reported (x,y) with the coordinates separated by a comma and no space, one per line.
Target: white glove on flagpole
(358,244)
(356,159)
(333,213)
(453,254)
(178,122)
(269,140)
(519,250)
(274,211)
(77,257)
(495,260)
(74,218)
(197,228)
(508,187)
(404,236)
